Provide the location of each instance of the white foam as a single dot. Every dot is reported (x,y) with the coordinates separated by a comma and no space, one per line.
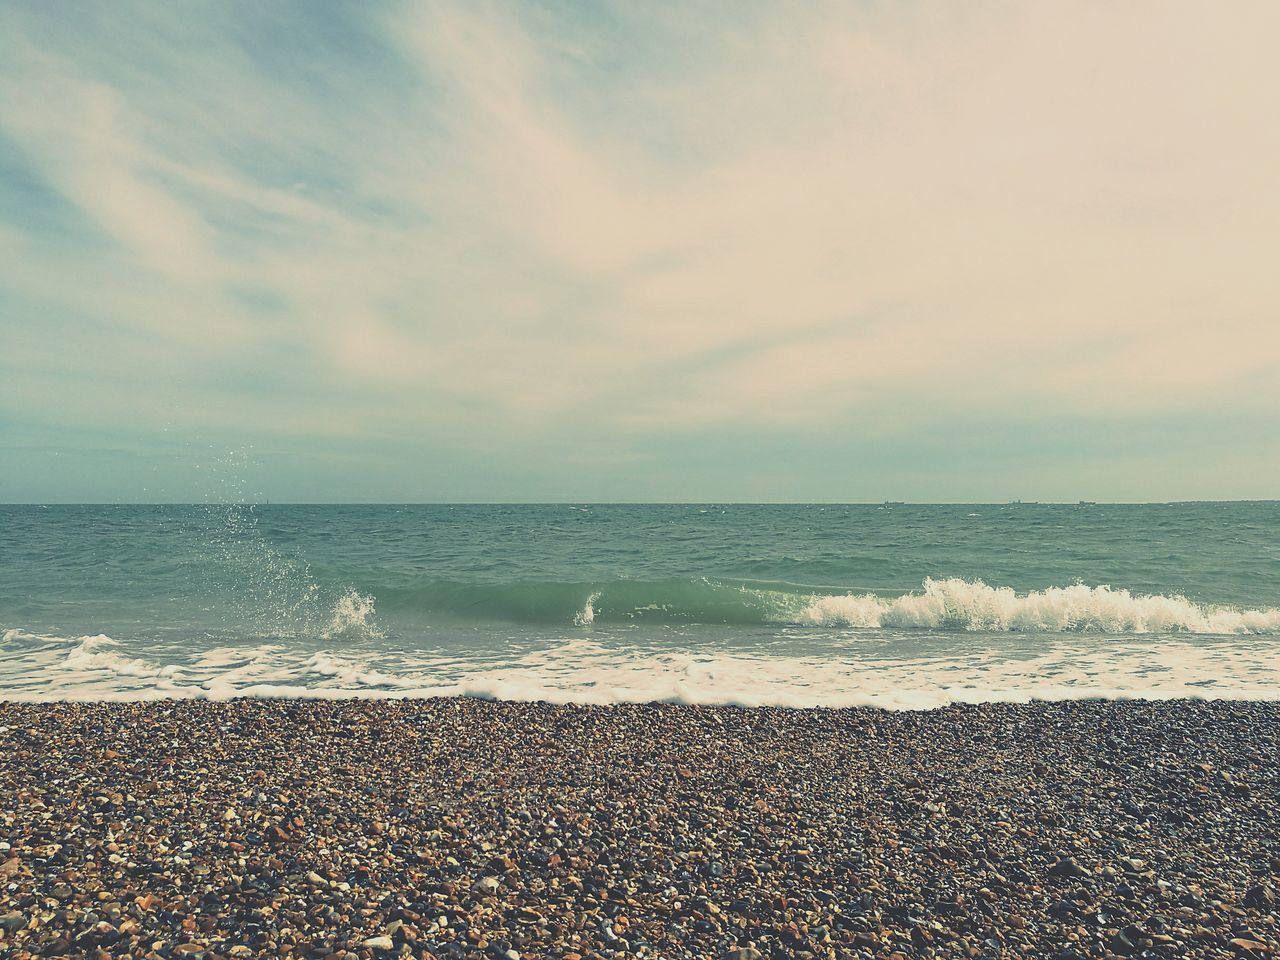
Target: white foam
(894,674)
(86,660)
(972,605)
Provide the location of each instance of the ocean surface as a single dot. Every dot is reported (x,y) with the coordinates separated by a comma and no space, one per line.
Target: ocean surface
(899,605)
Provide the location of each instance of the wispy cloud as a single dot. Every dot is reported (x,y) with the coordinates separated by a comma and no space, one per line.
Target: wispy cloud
(511,230)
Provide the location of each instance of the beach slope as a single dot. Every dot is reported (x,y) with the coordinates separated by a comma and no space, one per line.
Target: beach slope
(466,828)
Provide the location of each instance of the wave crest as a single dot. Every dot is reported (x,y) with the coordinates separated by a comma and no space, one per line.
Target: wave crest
(972,605)
(944,604)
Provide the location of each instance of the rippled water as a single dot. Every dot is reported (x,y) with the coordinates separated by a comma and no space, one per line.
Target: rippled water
(899,605)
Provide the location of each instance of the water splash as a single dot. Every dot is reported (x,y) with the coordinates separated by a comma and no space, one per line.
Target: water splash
(352,618)
(587,615)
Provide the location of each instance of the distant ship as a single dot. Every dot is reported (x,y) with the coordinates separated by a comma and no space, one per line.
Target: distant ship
(894,503)
(1088,503)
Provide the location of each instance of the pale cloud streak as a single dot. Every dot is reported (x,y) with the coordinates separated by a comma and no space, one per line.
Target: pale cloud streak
(502,228)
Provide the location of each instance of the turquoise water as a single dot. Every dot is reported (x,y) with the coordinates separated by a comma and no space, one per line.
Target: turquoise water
(901,605)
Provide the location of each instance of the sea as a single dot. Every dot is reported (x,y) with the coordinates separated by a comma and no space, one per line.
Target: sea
(899,605)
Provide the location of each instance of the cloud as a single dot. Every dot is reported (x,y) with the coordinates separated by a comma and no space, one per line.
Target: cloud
(501,226)
(1024,193)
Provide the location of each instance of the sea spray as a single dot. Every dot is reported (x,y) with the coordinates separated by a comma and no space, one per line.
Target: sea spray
(587,615)
(352,618)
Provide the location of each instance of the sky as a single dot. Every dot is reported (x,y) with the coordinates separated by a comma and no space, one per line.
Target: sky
(321,251)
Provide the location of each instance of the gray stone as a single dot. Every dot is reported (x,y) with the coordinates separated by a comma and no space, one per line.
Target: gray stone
(13,921)
(1259,897)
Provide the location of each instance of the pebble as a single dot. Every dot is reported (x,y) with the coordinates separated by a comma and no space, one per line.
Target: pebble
(486,886)
(13,921)
(1259,896)
(500,830)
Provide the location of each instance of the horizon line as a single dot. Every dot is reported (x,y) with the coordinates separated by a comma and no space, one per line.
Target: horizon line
(628,503)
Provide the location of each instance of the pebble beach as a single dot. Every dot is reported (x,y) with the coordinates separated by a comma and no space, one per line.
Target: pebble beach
(468,828)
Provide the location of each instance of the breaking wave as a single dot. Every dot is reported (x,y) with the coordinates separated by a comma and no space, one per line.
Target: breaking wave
(952,604)
(972,605)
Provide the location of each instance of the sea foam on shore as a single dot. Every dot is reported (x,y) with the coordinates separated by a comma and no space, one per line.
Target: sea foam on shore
(832,669)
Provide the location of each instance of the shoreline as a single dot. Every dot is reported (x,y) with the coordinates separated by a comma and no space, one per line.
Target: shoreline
(921,704)
(313,827)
